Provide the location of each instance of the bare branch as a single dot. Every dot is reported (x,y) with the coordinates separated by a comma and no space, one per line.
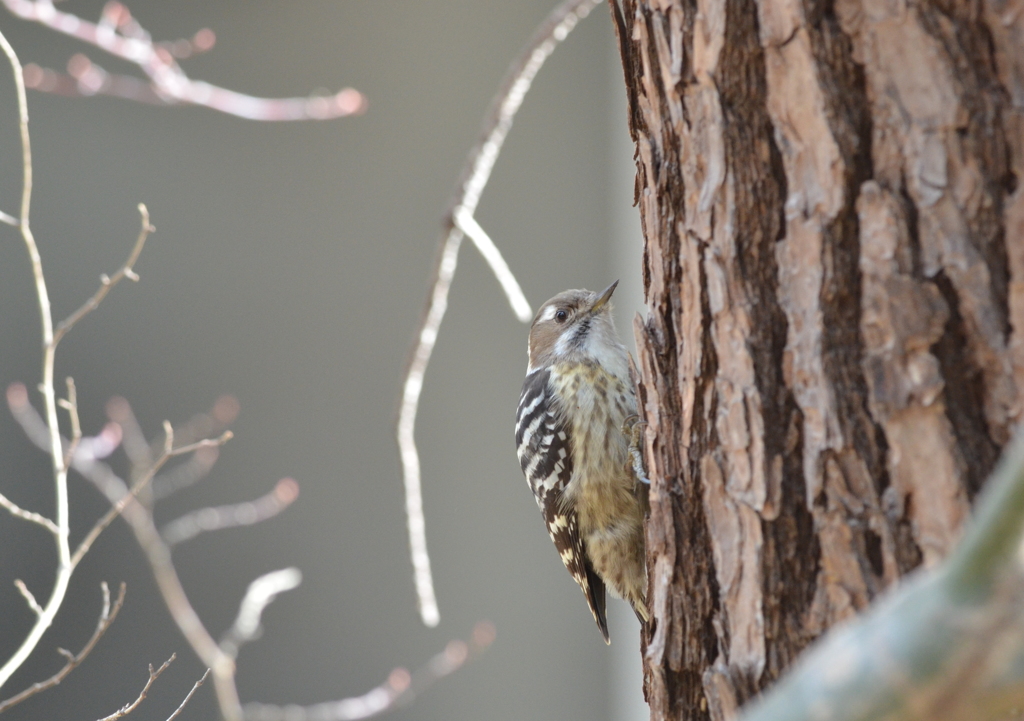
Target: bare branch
(107,616)
(204,443)
(158,554)
(202,425)
(399,689)
(412,387)
(9,219)
(26,144)
(108,282)
(136,447)
(29,515)
(516,84)
(188,698)
(27,416)
(153,676)
(29,598)
(464,220)
(60,476)
(120,35)
(240,514)
(260,594)
(473,179)
(141,483)
(89,448)
(206,425)
(184,474)
(70,404)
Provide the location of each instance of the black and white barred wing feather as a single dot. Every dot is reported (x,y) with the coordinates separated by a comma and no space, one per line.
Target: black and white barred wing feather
(545,454)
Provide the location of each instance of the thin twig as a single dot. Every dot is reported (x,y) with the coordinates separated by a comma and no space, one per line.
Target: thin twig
(140,483)
(141,452)
(399,689)
(70,404)
(29,598)
(158,553)
(184,474)
(464,220)
(9,219)
(239,514)
(90,447)
(60,476)
(207,424)
(204,443)
(188,698)
(153,676)
(108,282)
(29,515)
(260,594)
(107,616)
(120,35)
(134,442)
(473,179)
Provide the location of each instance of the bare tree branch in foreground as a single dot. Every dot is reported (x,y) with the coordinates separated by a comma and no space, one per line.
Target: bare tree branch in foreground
(153,676)
(459,222)
(59,526)
(121,35)
(220,656)
(107,616)
(124,501)
(188,698)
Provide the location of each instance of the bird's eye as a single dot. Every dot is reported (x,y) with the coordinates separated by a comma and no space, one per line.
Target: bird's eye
(561,315)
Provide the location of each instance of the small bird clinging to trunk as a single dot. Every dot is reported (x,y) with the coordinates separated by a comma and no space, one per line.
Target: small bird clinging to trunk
(573,442)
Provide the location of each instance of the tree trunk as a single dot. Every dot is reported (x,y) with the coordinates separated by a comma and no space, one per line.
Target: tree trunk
(834,268)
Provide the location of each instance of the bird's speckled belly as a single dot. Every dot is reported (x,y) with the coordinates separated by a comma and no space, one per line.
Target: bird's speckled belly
(602,485)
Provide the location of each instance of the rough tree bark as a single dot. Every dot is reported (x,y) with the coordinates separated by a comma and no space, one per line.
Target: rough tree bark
(834,267)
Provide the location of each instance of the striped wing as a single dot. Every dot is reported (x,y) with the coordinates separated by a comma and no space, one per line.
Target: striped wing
(543,445)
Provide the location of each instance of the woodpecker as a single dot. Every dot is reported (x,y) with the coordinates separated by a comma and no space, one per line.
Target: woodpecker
(573,442)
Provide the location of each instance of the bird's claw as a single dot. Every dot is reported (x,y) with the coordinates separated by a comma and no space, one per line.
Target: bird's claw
(632,427)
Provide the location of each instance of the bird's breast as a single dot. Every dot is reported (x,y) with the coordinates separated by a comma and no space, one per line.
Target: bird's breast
(595,403)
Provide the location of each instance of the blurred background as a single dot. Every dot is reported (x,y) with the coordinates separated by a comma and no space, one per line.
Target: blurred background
(289,270)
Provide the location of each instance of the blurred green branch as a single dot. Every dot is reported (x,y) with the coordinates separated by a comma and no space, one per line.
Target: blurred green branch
(946,645)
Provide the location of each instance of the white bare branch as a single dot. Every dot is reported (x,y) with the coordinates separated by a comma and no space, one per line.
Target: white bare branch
(120,35)
(29,598)
(31,516)
(216,518)
(60,476)
(465,222)
(474,177)
(260,594)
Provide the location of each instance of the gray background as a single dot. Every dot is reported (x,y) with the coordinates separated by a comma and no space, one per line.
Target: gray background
(288,269)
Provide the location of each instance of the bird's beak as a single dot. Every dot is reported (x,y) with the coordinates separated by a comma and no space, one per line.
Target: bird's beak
(604,298)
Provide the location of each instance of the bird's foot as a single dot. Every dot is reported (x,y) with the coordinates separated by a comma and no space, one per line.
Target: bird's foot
(633,427)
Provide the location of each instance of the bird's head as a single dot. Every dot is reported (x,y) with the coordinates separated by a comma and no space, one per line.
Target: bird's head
(574,326)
